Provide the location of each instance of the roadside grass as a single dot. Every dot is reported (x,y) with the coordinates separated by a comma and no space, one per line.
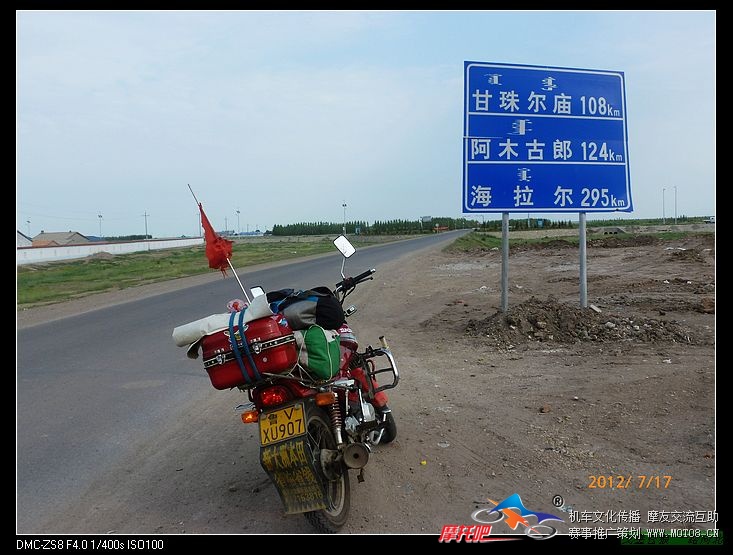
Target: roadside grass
(59,281)
(51,282)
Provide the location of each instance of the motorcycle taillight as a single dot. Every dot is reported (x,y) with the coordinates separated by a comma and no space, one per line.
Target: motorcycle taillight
(273,396)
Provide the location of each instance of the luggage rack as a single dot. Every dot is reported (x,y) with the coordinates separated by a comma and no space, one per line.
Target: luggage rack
(301,375)
(373,372)
(297,373)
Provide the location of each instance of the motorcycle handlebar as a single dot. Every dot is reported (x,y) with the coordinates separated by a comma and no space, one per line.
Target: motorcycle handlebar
(364,275)
(353,281)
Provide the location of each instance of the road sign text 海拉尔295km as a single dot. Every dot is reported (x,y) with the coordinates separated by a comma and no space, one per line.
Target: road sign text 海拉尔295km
(544,139)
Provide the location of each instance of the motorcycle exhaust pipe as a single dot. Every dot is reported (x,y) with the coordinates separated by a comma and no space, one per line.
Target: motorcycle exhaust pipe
(356,455)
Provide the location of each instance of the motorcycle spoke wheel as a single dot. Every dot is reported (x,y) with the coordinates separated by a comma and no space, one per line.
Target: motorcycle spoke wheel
(332,518)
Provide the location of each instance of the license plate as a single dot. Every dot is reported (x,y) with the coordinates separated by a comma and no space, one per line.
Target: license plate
(282,424)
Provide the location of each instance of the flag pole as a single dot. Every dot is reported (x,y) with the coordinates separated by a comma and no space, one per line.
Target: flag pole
(194,196)
(239,282)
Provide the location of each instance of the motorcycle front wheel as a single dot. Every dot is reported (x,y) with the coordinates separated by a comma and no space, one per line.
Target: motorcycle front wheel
(335,478)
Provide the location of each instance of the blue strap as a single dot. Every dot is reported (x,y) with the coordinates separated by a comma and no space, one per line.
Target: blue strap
(235,347)
(246,346)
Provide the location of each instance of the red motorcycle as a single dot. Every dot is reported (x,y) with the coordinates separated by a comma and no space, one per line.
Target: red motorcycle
(315,425)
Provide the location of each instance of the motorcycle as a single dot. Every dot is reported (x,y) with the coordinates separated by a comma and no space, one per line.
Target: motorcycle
(313,430)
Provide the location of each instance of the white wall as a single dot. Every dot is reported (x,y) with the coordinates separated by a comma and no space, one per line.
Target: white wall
(28,255)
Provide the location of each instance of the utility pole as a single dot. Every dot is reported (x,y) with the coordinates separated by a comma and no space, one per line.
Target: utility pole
(145,215)
(100,225)
(344,227)
(29,227)
(226,226)
(198,219)
(675,205)
(664,220)
(239,229)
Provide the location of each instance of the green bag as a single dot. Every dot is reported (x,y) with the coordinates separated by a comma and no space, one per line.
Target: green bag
(318,351)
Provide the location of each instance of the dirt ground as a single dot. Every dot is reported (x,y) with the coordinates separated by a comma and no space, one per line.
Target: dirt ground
(541,399)
(537,401)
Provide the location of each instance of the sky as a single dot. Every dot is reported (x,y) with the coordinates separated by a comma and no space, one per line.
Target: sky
(287,116)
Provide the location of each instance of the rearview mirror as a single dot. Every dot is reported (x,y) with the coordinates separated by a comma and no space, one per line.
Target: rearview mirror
(343,245)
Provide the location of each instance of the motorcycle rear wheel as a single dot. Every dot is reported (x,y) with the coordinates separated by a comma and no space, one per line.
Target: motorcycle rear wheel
(390,429)
(338,492)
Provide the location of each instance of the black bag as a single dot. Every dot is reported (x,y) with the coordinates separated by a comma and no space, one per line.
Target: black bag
(303,309)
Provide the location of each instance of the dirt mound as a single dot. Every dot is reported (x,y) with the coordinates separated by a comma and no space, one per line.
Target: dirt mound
(616,242)
(687,255)
(663,304)
(611,242)
(550,320)
(551,244)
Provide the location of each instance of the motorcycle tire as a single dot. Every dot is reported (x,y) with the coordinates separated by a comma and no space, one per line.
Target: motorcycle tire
(338,491)
(390,430)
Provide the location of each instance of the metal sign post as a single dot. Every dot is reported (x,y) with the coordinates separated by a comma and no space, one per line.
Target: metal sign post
(583,260)
(505,261)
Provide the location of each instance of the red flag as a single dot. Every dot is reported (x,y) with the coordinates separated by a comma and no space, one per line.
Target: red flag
(218,249)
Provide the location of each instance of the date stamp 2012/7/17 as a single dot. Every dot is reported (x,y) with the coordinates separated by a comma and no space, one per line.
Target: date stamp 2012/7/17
(619,481)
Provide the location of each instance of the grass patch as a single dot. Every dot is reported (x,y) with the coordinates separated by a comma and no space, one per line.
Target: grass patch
(676,235)
(60,281)
(474,241)
(481,242)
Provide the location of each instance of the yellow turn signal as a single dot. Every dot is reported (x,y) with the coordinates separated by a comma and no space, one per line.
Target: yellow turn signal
(326,398)
(250,416)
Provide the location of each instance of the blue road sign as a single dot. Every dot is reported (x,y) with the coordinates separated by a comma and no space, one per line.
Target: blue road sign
(544,139)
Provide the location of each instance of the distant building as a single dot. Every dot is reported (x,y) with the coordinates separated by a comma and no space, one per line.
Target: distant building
(23,240)
(59,238)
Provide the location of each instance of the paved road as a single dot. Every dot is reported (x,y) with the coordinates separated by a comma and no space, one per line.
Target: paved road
(92,387)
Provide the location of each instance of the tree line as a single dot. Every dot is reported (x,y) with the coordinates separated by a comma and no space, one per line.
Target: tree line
(410,227)
(525,223)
